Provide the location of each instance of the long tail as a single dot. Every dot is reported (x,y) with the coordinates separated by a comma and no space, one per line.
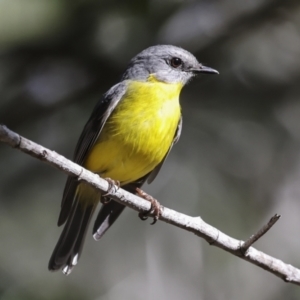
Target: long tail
(69,246)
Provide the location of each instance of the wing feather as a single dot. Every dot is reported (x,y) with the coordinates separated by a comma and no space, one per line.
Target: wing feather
(87,139)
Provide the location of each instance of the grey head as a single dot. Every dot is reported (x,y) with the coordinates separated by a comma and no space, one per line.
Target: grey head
(166,63)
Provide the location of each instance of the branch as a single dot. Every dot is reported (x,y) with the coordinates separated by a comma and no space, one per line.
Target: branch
(255,237)
(193,224)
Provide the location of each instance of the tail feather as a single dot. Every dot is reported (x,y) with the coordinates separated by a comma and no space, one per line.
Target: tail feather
(107,215)
(82,233)
(68,248)
(67,201)
(76,250)
(79,203)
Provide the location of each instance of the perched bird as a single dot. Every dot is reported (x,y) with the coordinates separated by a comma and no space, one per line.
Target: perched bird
(127,138)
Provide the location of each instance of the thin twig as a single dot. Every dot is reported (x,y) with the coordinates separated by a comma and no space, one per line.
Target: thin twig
(193,224)
(253,238)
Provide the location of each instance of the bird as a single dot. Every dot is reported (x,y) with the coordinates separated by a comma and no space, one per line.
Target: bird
(127,138)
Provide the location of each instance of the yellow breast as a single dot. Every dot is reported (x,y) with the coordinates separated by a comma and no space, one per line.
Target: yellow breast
(138,134)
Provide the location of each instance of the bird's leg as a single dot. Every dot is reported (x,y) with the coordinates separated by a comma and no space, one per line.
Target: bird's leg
(113,186)
(155,208)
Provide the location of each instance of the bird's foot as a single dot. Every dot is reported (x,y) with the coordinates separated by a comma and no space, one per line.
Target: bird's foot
(113,186)
(155,209)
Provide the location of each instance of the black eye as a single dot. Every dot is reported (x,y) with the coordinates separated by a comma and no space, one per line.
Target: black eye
(176,62)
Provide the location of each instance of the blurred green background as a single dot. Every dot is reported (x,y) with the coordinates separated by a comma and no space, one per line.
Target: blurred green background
(237,163)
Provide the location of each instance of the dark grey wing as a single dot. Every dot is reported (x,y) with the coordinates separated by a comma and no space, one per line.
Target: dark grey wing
(93,127)
(156,170)
(87,139)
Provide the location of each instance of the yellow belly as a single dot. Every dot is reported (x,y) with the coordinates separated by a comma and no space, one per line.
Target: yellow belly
(138,134)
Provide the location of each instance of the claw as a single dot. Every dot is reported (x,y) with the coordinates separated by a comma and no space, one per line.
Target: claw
(142,216)
(155,208)
(113,186)
(104,200)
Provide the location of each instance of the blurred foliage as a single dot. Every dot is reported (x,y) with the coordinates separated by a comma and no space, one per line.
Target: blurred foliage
(237,163)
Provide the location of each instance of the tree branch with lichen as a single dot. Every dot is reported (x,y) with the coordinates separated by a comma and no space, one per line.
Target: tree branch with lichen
(195,225)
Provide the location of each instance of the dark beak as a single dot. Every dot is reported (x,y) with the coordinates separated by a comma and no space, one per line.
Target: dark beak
(203,69)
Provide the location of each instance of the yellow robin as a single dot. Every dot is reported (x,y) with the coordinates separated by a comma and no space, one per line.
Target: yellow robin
(127,138)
